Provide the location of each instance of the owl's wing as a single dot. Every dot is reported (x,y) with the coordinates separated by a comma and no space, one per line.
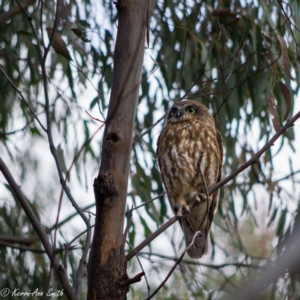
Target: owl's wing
(157,150)
(162,175)
(201,242)
(216,195)
(157,144)
(220,144)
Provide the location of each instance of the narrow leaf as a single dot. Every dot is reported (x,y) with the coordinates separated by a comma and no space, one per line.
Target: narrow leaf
(222,12)
(285,56)
(266,36)
(272,108)
(232,22)
(58,44)
(61,159)
(77,31)
(287,98)
(23,32)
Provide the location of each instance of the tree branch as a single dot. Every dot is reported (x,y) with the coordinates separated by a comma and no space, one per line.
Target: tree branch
(42,57)
(23,98)
(63,277)
(197,263)
(136,278)
(29,240)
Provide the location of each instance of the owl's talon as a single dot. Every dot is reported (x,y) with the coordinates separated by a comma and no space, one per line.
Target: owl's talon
(179,214)
(201,198)
(183,211)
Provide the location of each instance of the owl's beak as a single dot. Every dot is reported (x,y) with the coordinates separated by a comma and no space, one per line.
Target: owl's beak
(178,114)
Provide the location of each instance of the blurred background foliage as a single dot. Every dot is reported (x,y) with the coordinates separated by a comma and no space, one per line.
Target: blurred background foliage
(229,55)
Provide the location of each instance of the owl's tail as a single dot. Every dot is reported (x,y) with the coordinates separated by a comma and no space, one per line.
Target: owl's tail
(200,245)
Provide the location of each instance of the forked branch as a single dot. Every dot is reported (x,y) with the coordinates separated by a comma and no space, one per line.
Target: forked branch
(60,271)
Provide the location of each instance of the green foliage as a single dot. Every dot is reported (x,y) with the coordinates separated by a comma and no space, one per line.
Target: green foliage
(230,63)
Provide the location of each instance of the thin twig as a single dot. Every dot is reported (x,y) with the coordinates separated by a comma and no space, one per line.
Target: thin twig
(174,267)
(14,131)
(63,277)
(288,176)
(206,190)
(197,263)
(23,98)
(155,234)
(67,219)
(29,240)
(79,235)
(235,86)
(255,157)
(82,265)
(66,246)
(212,93)
(129,215)
(14,11)
(136,278)
(141,266)
(182,66)
(147,202)
(288,18)
(148,130)
(35,250)
(43,62)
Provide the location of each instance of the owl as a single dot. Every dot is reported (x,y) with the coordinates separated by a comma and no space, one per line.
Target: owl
(189,143)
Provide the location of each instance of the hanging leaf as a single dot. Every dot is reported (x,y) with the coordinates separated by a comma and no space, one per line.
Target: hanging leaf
(281,223)
(79,33)
(287,98)
(58,44)
(24,32)
(61,158)
(267,37)
(222,12)
(272,108)
(84,23)
(285,56)
(232,22)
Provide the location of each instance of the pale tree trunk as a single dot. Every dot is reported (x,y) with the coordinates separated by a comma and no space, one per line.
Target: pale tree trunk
(107,276)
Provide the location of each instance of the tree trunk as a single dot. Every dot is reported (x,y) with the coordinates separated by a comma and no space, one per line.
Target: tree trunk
(107,276)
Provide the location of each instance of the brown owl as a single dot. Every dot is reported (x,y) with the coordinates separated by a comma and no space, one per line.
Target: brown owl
(190,142)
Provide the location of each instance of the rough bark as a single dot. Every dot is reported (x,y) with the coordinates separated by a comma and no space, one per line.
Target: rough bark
(107,276)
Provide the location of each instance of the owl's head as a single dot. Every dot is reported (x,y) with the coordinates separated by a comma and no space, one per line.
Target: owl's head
(187,110)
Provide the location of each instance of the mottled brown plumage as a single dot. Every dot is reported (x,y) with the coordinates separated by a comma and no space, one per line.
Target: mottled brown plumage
(190,142)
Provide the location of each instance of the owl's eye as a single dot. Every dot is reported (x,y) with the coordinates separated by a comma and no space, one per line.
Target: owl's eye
(173,112)
(190,110)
